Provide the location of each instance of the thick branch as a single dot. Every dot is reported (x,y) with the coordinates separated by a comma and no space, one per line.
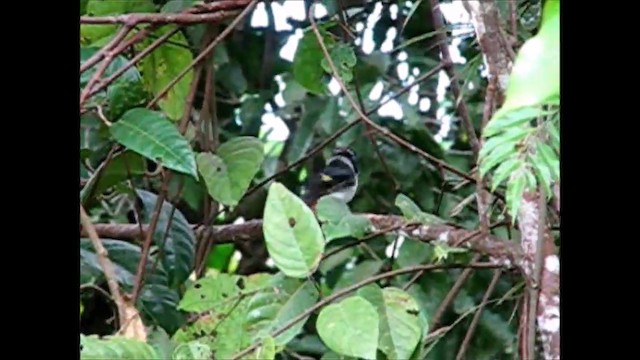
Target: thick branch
(548,302)
(503,252)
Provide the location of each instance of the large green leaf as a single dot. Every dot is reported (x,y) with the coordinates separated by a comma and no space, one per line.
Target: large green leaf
(361,271)
(115,347)
(177,241)
(344,59)
(307,68)
(269,310)
(413,213)
(211,292)
(338,221)
(150,134)
(125,258)
(399,325)
(99,34)
(117,170)
(158,302)
(266,351)
(535,77)
(350,327)
(192,350)
(163,65)
(229,172)
(293,236)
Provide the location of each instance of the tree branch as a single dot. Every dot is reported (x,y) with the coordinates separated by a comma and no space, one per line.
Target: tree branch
(107,266)
(349,289)
(503,252)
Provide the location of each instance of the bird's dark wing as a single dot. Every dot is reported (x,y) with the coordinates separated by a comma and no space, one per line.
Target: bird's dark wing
(332,178)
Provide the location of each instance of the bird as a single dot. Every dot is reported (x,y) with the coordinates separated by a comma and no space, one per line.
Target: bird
(338,178)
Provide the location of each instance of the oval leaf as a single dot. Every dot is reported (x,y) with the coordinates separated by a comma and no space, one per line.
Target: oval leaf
(228,174)
(115,347)
(350,327)
(269,310)
(293,236)
(192,350)
(177,238)
(151,135)
(399,325)
(163,65)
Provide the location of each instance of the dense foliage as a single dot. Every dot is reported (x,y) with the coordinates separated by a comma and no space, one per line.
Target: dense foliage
(184,147)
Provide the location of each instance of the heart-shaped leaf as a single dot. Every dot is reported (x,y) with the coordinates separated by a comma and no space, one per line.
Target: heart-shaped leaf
(228,174)
(151,135)
(399,325)
(350,327)
(270,309)
(293,236)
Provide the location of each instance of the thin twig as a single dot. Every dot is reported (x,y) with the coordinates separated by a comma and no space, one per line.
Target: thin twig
(451,295)
(155,18)
(476,316)
(155,44)
(364,239)
(101,53)
(366,119)
(205,52)
(438,23)
(513,17)
(102,256)
(342,130)
(356,286)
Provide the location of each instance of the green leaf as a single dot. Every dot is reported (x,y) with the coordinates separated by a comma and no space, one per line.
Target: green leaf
(119,169)
(303,136)
(159,303)
(114,347)
(535,77)
(177,241)
(161,342)
(441,251)
(271,309)
(163,65)
(515,190)
(399,327)
(211,292)
(510,136)
(331,209)
(125,94)
(344,59)
(266,351)
(228,174)
(192,350)
(92,34)
(232,77)
(413,252)
(504,170)
(543,173)
(125,258)
(550,158)
(413,213)
(338,221)
(350,327)
(361,271)
(151,135)
(507,119)
(292,234)
(307,68)
(499,154)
